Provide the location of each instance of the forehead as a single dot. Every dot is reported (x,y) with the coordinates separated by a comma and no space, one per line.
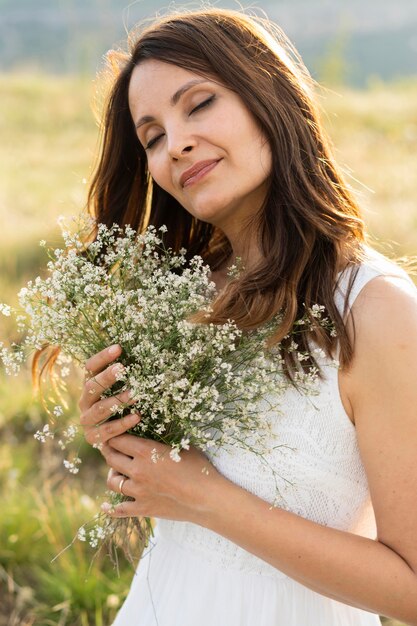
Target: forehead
(154,82)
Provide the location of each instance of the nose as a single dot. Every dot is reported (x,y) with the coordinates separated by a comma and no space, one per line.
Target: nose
(179,143)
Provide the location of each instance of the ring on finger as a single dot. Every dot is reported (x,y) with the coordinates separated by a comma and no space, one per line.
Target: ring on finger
(121,483)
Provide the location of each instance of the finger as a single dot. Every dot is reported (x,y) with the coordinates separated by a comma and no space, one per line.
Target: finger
(101,434)
(132,445)
(117,482)
(113,473)
(96,386)
(119,462)
(101,410)
(124,509)
(99,361)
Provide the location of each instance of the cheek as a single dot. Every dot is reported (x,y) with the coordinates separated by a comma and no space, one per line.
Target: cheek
(159,173)
(254,158)
(248,145)
(162,177)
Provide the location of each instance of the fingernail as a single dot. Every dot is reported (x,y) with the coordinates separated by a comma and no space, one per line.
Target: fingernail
(113,350)
(126,395)
(134,418)
(117,369)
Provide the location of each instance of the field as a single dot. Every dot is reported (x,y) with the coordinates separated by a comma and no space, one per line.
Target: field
(49,138)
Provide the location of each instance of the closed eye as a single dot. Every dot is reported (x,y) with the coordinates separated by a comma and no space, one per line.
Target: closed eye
(153,141)
(203,104)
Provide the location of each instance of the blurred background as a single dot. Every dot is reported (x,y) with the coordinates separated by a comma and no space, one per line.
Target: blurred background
(363,53)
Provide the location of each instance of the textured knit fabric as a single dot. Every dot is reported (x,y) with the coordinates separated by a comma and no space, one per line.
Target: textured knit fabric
(191,576)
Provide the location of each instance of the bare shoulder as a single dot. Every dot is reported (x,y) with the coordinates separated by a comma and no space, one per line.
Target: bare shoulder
(384,315)
(382,326)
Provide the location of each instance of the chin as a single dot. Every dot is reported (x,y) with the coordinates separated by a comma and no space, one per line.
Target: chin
(209,217)
(211,211)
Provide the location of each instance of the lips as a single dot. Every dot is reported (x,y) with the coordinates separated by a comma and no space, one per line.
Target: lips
(197,168)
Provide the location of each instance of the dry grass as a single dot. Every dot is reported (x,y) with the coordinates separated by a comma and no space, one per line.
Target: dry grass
(375,133)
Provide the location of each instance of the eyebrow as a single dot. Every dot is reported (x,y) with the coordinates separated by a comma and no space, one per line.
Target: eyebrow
(173,100)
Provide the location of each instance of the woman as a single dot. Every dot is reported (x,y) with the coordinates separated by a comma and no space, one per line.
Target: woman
(211,129)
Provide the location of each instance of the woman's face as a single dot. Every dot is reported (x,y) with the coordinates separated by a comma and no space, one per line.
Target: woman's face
(203,146)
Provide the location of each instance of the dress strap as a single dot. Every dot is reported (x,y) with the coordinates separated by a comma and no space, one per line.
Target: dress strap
(373,265)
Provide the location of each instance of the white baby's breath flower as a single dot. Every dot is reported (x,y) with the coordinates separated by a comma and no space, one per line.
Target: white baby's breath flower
(154,455)
(70,432)
(72,466)
(317,310)
(319,353)
(44,434)
(81,534)
(5,309)
(193,385)
(175,455)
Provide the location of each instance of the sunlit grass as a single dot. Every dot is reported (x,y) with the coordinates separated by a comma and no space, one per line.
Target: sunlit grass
(375,133)
(49,137)
(72,588)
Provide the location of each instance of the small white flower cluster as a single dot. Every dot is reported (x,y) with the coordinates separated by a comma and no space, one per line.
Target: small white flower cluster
(5,309)
(317,311)
(12,359)
(71,432)
(99,531)
(68,436)
(44,434)
(192,384)
(72,466)
(81,534)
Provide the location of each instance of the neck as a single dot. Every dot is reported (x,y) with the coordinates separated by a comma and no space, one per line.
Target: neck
(245,249)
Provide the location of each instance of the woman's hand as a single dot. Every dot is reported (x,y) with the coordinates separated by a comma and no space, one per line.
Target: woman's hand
(94,411)
(160,487)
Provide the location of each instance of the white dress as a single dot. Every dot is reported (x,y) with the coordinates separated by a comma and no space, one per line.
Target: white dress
(191,576)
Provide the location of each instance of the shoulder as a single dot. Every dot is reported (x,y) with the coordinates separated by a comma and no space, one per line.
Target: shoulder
(383,328)
(381,297)
(382,325)
(384,311)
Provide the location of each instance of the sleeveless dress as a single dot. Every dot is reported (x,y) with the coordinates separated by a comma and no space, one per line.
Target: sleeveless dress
(191,576)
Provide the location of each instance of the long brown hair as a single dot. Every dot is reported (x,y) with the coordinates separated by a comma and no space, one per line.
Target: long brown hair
(310,224)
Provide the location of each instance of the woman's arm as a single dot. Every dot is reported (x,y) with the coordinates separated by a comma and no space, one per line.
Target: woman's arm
(380,575)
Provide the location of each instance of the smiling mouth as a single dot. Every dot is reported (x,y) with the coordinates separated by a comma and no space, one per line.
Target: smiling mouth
(194,178)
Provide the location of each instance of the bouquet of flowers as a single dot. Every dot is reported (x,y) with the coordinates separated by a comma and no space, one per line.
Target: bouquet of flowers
(193,384)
